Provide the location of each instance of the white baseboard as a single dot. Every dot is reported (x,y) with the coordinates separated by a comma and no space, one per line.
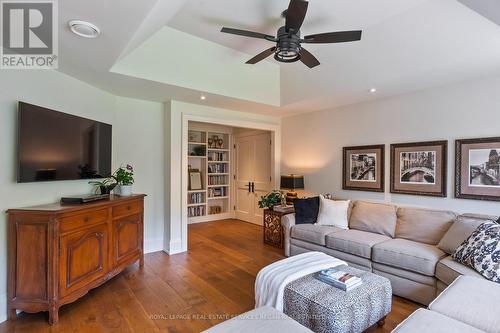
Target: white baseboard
(174,247)
(3,307)
(153,245)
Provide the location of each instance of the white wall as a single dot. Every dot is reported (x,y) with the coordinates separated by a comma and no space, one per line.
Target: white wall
(136,124)
(177,115)
(139,140)
(312,143)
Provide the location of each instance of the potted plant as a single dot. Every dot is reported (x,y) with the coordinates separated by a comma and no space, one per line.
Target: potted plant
(271,199)
(105,186)
(125,179)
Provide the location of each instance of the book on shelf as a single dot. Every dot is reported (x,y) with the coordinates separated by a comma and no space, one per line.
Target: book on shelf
(339,279)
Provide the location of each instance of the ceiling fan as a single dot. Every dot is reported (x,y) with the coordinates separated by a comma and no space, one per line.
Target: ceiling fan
(288,41)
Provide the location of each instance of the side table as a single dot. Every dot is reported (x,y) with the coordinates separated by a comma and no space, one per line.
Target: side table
(273,231)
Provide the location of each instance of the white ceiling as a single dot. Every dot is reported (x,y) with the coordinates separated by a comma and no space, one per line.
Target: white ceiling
(407,45)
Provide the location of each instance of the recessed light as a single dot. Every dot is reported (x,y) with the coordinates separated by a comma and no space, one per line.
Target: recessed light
(203,97)
(373,90)
(84,29)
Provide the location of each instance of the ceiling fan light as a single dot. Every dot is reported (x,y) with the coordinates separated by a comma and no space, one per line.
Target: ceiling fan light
(287,54)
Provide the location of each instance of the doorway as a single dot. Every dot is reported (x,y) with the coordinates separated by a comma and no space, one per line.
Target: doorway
(229,169)
(177,233)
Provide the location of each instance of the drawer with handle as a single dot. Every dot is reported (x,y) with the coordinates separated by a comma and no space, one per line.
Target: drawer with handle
(82,220)
(132,207)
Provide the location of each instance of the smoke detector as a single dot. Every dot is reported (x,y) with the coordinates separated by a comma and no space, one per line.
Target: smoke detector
(84,29)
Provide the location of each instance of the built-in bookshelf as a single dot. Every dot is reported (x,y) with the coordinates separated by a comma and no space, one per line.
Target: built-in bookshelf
(209,152)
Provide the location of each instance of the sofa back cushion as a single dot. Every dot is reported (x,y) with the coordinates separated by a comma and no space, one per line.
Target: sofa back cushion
(423,225)
(461,229)
(374,217)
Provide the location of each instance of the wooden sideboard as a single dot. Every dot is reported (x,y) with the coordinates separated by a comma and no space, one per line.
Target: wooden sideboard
(57,253)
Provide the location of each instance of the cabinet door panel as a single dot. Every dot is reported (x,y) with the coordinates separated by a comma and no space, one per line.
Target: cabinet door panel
(83,257)
(127,234)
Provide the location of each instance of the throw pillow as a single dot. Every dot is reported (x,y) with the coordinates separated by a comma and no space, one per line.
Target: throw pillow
(481,251)
(334,213)
(460,230)
(306,210)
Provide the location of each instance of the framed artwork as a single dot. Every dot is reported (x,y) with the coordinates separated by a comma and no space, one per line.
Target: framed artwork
(363,168)
(194,180)
(419,168)
(477,169)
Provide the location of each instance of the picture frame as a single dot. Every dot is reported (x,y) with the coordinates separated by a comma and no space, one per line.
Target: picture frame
(419,168)
(477,169)
(363,168)
(195,180)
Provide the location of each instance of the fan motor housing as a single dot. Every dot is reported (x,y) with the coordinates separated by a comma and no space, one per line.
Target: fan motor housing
(288,45)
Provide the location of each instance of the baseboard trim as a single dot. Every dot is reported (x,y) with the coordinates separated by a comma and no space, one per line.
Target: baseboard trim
(153,245)
(174,247)
(3,307)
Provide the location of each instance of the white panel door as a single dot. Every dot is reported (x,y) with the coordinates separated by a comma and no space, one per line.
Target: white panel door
(261,173)
(253,175)
(243,168)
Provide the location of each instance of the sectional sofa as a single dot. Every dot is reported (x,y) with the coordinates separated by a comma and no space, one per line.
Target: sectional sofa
(411,247)
(468,305)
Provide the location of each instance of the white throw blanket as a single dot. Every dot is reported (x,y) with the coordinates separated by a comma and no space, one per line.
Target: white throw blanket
(272,279)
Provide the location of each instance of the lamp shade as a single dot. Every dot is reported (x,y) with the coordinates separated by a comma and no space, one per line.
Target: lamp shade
(292,182)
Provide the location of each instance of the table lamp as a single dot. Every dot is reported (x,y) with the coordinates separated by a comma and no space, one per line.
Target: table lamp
(291,183)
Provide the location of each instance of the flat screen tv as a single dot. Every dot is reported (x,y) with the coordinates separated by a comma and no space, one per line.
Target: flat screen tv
(57,146)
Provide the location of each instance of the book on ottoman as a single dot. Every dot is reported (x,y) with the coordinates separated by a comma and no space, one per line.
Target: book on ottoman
(339,279)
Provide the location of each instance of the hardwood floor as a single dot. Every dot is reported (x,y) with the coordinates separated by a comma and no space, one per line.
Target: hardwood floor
(186,292)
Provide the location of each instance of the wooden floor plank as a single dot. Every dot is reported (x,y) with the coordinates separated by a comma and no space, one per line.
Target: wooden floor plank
(186,292)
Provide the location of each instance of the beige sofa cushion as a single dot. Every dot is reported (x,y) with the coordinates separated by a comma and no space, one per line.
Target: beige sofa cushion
(355,242)
(472,301)
(313,233)
(461,229)
(423,225)
(373,217)
(447,270)
(405,254)
(427,321)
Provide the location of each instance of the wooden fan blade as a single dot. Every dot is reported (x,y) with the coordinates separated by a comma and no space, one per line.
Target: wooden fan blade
(334,37)
(247,33)
(308,59)
(261,56)
(295,14)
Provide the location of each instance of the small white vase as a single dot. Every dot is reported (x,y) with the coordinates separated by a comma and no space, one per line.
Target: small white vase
(125,190)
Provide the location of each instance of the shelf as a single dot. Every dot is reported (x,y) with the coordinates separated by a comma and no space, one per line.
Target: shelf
(217,149)
(217,159)
(197,204)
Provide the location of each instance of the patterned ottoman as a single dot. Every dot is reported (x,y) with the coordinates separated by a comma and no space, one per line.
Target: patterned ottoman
(324,308)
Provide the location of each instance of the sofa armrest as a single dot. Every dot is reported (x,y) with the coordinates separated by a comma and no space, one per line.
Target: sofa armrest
(287,222)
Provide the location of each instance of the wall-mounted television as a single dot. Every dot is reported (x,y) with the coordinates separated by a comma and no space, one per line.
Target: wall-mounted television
(58,146)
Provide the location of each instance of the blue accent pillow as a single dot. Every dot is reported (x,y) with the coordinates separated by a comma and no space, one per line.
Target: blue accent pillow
(306,210)
(481,251)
